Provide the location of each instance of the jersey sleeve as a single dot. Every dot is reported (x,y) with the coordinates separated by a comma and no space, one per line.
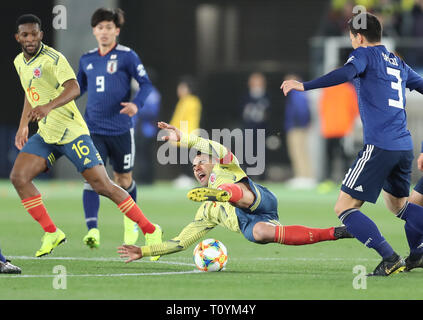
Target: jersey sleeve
(187,237)
(137,71)
(82,78)
(414,80)
(63,71)
(358,58)
(210,147)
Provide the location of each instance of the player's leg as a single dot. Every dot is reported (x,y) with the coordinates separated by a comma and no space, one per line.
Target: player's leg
(411,212)
(35,158)
(296,235)
(91,199)
(122,157)
(363,182)
(238,194)
(126,182)
(396,191)
(98,179)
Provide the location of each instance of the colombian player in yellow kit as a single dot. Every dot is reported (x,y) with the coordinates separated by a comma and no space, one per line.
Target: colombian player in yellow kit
(50,89)
(230,199)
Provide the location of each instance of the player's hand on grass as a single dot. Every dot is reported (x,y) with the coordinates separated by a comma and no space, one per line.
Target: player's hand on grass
(129,251)
(174,133)
(420,162)
(129,108)
(39,112)
(21,137)
(289,85)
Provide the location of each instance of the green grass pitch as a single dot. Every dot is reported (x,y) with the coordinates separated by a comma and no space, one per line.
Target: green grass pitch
(259,272)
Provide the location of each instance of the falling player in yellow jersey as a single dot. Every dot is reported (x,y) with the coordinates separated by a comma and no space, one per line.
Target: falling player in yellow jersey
(232,200)
(50,87)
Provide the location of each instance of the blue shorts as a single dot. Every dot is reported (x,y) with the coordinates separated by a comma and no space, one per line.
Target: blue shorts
(264,209)
(376,169)
(81,151)
(120,150)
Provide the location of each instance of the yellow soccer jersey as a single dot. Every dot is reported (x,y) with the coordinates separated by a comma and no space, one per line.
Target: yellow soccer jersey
(42,78)
(209,215)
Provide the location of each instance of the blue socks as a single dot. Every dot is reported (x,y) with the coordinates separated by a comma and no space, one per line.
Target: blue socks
(366,231)
(91,203)
(412,214)
(2,258)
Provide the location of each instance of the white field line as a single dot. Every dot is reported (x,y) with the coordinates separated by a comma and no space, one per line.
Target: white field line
(100,275)
(98,260)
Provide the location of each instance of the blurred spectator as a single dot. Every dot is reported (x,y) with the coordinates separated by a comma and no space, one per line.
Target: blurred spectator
(255,107)
(412,26)
(145,124)
(297,123)
(186,117)
(335,22)
(338,111)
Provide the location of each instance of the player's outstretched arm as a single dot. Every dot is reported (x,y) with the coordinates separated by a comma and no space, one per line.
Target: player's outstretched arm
(187,237)
(130,252)
(333,78)
(70,93)
(210,147)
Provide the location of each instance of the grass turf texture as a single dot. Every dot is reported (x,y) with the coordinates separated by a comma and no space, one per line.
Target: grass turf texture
(271,272)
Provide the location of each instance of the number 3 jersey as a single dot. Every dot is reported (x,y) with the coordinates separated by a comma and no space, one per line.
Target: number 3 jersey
(42,78)
(380,84)
(107,81)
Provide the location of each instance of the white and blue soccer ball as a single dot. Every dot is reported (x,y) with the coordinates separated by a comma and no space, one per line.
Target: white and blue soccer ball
(210,255)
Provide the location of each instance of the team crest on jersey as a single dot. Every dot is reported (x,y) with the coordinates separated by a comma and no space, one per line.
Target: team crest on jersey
(112,66)
(212,177)
(37,72)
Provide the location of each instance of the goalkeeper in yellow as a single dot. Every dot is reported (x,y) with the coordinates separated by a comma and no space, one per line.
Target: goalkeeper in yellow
(230,199)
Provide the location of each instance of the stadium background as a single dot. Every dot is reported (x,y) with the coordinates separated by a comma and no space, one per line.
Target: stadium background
(218,42)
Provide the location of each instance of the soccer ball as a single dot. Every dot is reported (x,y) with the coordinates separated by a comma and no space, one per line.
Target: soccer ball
(210,255)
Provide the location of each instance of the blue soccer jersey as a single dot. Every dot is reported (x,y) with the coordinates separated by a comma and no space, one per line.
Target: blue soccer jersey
(107,80)
(380,84)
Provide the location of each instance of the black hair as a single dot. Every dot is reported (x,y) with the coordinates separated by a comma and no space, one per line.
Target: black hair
(104,14)
(190,82)
(27,18)
(372,30)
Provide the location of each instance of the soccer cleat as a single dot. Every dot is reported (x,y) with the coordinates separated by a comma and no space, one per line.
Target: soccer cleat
(154,238)
(7,267)
(92,239)
(392,265)
(50,241)
(208,194)
(413,263)
(341,232)
(130,234)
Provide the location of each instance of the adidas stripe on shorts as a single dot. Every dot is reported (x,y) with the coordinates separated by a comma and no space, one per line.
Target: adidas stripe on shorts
(375,169)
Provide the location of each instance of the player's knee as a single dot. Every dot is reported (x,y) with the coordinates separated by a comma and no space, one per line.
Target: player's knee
(102,187)
(18,178)
(262,233)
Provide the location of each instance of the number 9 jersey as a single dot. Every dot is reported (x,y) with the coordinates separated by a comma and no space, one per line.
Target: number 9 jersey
(380,84)
(107,81)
